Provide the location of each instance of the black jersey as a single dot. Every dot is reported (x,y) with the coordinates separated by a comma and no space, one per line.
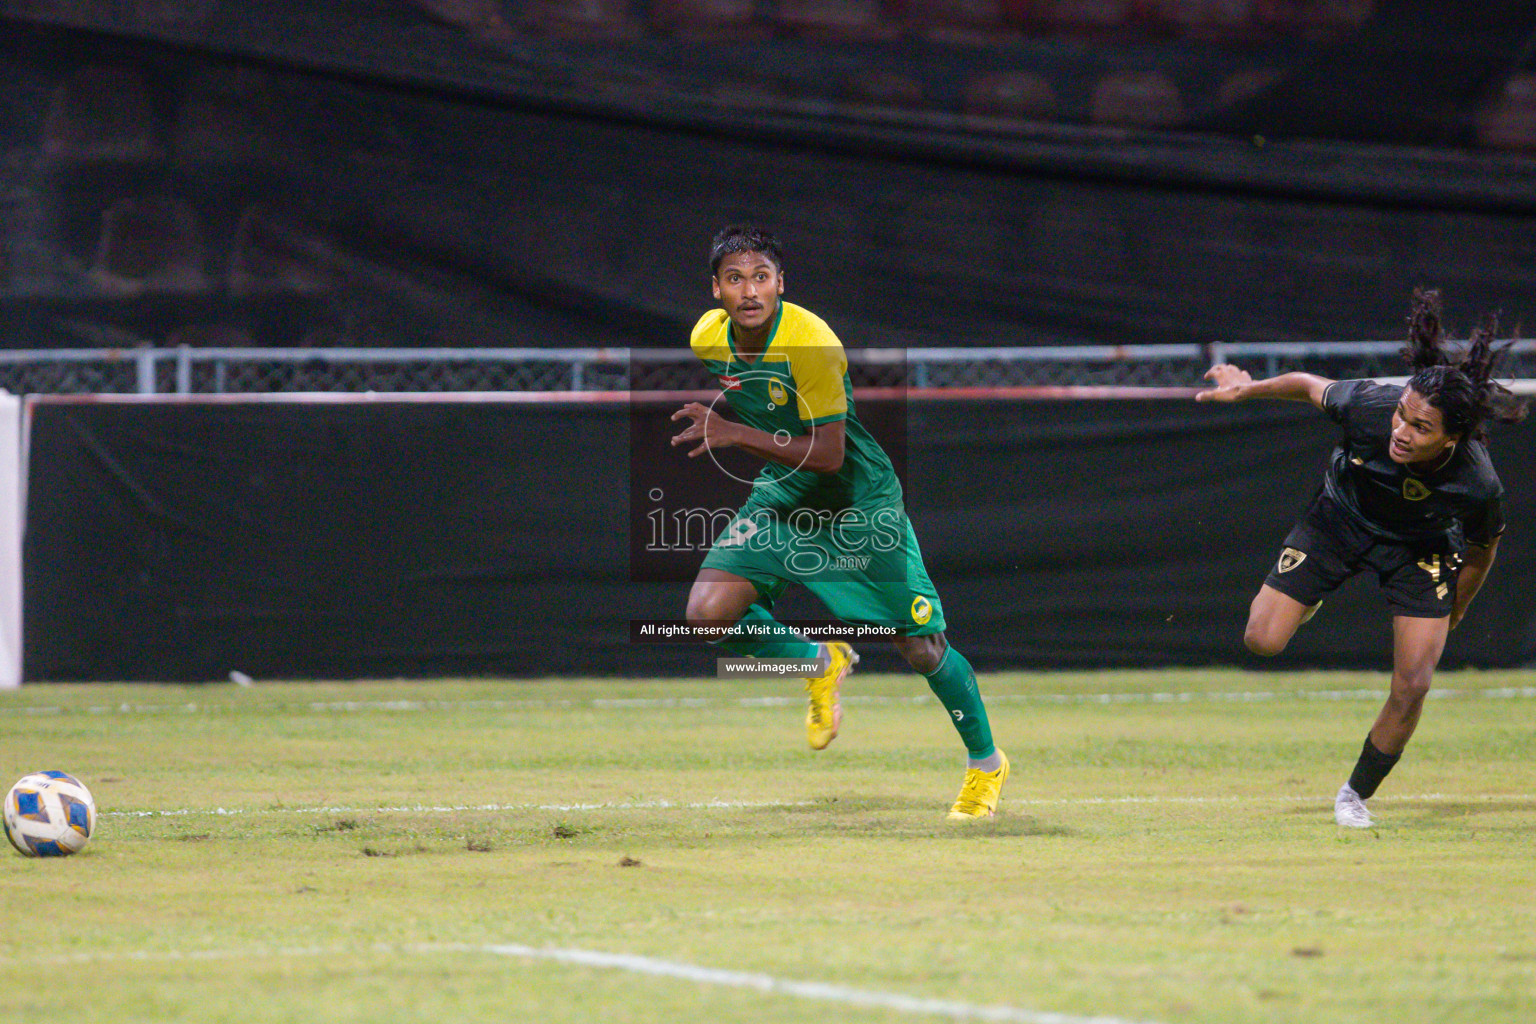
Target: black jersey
(1462,499)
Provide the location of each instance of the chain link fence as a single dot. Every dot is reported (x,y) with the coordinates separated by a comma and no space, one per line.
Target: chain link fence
(186,370)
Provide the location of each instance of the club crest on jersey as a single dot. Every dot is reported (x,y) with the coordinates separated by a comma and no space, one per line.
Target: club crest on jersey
(776,393)
(1290,558)
(730,383)
(922,610)
(1413,490)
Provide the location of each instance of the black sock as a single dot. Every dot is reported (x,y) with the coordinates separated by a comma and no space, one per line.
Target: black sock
(1372,767)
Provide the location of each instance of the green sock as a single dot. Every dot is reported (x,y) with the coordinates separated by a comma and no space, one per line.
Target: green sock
(757,634)
(954,683)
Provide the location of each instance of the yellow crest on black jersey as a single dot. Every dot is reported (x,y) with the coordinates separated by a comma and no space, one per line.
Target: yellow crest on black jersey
(1414,490)
(1290,558)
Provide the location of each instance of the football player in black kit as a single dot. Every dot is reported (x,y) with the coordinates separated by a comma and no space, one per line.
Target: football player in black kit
(1409,494)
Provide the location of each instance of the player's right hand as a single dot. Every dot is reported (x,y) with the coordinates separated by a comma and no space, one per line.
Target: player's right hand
(1229,383)
(709,430)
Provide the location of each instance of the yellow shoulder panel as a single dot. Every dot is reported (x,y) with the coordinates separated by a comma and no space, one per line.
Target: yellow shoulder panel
(708,338)
(817,363)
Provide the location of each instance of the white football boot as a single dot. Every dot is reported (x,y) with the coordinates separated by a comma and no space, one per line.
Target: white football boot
(1349,810)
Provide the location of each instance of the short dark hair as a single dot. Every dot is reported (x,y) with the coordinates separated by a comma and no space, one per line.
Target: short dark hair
(1461,384)
(743,238)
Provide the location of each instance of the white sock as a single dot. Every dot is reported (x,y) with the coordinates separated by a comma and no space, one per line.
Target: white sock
(986,764)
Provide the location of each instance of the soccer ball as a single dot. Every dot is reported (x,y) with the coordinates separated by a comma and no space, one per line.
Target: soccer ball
(49,814)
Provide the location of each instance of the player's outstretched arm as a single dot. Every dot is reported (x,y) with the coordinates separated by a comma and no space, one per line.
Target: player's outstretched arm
(1235,385)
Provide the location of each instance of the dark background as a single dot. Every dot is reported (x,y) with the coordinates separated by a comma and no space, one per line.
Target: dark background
(180,541)
(468,173)
(473,172)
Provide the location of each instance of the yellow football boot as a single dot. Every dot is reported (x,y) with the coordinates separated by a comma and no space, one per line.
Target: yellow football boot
(979,793)
(825,712)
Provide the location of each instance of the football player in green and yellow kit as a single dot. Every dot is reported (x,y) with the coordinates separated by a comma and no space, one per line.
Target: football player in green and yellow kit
(826,511)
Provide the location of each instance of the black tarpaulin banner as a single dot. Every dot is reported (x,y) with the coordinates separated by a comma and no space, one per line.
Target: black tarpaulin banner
(184,541)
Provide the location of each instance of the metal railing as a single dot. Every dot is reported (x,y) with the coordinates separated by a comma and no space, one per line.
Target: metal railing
(187,370)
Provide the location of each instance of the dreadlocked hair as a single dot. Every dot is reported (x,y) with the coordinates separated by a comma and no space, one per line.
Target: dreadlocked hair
(1459,384)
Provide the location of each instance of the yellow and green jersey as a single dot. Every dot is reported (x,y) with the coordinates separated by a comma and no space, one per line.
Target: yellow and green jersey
(798,383)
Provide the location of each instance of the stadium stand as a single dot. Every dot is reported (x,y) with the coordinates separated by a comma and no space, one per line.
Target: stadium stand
(1145,99)
(1509,122)
(1085,15)
(1221,20)
(593,20)
(844,20)
(708,19)
(102,113)
(1240,85)
(884,88)
(228,115)
(1324,16)
(268,255)
(483,18)
(151,243)
(962,21)
(1019,95)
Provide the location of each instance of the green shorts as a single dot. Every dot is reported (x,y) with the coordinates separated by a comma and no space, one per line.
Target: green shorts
(865,567)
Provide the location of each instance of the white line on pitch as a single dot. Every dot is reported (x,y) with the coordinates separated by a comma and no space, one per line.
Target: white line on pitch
(770,701)
(816,991)
(640,805)
(1430,798)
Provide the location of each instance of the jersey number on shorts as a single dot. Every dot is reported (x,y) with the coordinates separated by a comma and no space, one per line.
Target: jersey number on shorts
(1432,566)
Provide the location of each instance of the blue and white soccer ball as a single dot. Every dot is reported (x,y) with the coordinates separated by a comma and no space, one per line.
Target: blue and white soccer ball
(49,814)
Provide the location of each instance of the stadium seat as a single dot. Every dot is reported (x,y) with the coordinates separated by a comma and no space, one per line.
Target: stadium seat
(271,253)
(885,89)
(1510,121)
(1146,99)
(1084,15)
(748,92)
(102,113)
(1241,85)
(229,115)
(29,259)
(1315,16)
(149,244)
(965,20)
(483,18)
(179,15)
(708,19)
(1017,95)
(1207,19)
(582,19)
(836,19)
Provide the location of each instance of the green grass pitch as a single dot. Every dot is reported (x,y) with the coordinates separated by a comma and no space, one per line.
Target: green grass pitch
(663,851)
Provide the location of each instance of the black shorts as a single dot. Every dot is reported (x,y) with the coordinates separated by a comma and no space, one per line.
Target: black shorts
(1328,546)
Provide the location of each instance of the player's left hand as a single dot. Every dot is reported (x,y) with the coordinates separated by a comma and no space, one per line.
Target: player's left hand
(705,427)
(1229,384)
